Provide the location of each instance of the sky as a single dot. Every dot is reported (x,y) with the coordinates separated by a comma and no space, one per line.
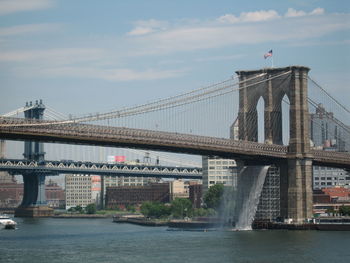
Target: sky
(87,56)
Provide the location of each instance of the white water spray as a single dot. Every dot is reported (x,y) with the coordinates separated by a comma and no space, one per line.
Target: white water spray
(250,184)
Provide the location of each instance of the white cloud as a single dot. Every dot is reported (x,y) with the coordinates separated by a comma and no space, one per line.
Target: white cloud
(228,18)
(154,37)
(317,11)
(140,31)
(256,16)
(291,12)
(208,35)
(144,27)
(259,16)
(294,13)
(13,6)
(25,29)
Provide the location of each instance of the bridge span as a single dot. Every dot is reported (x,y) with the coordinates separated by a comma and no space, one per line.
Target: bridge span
(44,131)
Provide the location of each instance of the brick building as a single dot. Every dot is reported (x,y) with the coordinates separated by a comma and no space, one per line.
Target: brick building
(11,192)
(330,199)
(121,196)
(55,195)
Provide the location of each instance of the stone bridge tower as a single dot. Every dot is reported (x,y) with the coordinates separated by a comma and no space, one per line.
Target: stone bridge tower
(272,85)
(34,199)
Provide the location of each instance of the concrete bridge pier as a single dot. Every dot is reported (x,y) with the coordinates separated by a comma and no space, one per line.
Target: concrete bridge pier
(34,199)
(300,190)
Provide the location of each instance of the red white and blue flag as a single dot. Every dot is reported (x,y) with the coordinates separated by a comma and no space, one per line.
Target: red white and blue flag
(268,54)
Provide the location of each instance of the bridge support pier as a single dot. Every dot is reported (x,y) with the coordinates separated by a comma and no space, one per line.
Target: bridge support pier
(34,199)
(299,190)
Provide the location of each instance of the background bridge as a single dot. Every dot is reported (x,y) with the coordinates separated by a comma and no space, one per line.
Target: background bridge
(21,167)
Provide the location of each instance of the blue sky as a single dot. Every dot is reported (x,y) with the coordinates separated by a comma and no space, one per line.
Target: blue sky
(86,56)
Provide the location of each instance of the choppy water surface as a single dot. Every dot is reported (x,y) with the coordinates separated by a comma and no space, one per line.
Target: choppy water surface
(100,240)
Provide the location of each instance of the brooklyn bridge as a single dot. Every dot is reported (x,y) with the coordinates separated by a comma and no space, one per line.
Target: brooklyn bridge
(222,119)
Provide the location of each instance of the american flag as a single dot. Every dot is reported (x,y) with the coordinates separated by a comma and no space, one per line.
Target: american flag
(268,54)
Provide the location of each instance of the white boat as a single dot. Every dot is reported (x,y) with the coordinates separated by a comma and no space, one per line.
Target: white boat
(6,222)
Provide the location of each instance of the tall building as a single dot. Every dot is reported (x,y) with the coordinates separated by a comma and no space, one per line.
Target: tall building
(325,177)
(82,190)
(327,131)
(329,134)
(216,170)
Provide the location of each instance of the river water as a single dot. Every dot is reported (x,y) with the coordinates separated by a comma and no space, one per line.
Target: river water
(101,240)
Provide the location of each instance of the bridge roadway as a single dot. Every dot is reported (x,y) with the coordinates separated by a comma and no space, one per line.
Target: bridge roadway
(74,133)
(22,167)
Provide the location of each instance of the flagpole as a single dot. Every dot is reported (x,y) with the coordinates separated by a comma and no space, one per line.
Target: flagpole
(272,61)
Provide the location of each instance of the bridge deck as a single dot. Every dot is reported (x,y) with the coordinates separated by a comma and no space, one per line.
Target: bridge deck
(18,129)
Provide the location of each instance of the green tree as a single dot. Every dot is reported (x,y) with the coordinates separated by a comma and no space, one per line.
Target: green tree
(181,207)
(204,212)
(344,210)
(155,209)
(213,196)
(90,209)
(130,208)
(79,209)
(330,211)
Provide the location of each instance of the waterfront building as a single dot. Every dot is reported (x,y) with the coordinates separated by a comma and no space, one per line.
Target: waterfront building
(330,199)
(55,195)
(181,188)
(216,170)
(122,196)
(11,192)
(178,189)
(82,190)
(325,177)
(113,181)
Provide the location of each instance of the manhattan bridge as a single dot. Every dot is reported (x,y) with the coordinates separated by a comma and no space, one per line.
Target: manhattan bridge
(260,117)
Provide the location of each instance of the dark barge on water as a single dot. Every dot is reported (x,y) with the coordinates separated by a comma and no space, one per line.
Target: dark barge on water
(322,223)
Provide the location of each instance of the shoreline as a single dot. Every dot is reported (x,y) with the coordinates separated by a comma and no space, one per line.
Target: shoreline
(87,216)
